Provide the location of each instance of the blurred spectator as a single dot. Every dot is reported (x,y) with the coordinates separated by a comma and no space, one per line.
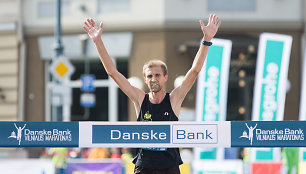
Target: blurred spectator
(85,152)
(246,154)
(115,153)
(59,157)
(98,153)
(290,157)
(75,153)
(126,155)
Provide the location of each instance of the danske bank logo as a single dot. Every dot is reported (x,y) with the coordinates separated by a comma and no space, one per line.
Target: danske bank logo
(131,134)
(250,135)
(19,133)
(24,133)
(155,134)
(265,133)
(195,134)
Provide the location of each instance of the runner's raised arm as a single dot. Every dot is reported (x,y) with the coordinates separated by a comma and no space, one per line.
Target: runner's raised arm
(136,95)
(209,31)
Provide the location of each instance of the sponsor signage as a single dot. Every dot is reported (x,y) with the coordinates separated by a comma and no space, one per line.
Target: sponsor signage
(195,133)
(213,82)
(39,134)
(271,77)
(270,85)
(131,134)
(212,91)
(155,134)
(159,135)
(268,134)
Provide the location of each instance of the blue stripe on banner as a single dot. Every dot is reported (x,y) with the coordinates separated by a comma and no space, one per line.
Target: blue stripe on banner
(268,133)
(191,134)
(39,134)
(131,134)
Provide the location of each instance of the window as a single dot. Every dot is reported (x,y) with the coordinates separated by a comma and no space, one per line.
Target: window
(48,9)
(231,5)
(113,6)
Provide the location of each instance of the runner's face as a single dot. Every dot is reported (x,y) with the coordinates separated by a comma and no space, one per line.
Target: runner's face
(155,78)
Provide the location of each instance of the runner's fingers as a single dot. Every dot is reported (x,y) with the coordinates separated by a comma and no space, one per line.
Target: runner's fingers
(101,24)
(219,23)
(86,29)
(210,18)
(93,23)
(214,19)
(87,24)
(202,24)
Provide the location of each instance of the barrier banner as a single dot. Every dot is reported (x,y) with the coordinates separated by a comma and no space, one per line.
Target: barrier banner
(94,167)
(154,134)
(212,88)
(270,85)
(39,134)
(268,134)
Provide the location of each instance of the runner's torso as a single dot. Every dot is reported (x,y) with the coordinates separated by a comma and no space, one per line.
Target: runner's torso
(157,158)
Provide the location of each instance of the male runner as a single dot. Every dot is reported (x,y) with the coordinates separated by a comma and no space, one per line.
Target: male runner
(157,105)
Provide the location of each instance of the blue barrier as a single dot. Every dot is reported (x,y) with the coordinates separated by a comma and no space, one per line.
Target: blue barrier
(153,134)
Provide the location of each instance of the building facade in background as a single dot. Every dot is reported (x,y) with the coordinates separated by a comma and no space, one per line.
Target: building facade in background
(136,31)
(12,56)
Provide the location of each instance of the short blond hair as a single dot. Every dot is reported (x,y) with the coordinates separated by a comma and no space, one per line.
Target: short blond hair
(154,63)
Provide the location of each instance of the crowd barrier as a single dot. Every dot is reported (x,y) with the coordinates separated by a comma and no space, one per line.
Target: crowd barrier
(153,134)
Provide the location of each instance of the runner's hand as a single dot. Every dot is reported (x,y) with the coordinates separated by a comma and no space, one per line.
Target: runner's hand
(93,31)
(210,30)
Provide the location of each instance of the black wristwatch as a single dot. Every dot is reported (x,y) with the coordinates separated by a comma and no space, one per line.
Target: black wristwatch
(206,43)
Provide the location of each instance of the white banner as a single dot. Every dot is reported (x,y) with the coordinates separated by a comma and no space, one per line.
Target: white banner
(270,85)
(212,86)
(154,134)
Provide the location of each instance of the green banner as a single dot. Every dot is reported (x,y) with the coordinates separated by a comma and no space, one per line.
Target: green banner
(270,85)
(271,74)
(211,102)
(212,88)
